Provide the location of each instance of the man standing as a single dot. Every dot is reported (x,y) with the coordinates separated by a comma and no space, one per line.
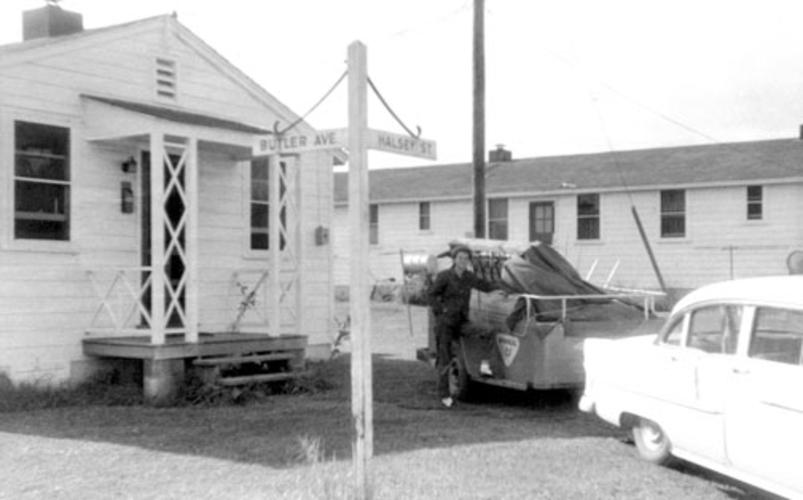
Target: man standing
(450,295)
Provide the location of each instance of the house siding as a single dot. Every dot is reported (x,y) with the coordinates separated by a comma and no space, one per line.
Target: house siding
(46,297)
(720,242)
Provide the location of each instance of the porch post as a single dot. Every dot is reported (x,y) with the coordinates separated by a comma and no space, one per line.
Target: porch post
(274,235)
(191,242)
(157,239)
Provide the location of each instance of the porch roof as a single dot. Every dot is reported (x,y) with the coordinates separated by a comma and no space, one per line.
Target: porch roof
(179,116)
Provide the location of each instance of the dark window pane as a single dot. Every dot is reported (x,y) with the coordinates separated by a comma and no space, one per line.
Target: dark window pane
(423,215)
(41,229)
(588,204)
(45,199)
(259,216)
(497,230)
(374,214)
(259,241)
(373,234)
(673,200)
(259,169)
(40,167)
(754,193)
(259,190)
(38,139)
(497,209)
(673,226)
(754,211)
(588,229)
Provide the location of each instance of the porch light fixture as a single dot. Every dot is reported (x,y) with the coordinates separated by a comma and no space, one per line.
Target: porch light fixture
(130,165)
(126,198)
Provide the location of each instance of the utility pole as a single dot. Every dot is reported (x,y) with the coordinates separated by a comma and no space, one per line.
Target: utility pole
(479,119)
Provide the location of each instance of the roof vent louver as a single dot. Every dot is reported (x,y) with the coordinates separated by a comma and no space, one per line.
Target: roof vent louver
(166,78)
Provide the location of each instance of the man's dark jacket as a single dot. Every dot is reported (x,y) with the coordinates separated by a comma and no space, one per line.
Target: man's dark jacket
(450,294)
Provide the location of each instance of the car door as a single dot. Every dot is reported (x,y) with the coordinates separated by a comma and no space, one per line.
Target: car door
(669,380)
(714,331)
(765,415)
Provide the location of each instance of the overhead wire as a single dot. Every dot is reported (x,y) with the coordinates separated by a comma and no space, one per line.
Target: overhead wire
(315,106)
(713,140)
(393,113)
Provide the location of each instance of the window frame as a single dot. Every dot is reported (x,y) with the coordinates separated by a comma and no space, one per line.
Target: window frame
(8,118)
(493,221)
(260,253)
(424,219)
(754,202)
(373,224)
(589,217)
(667,214)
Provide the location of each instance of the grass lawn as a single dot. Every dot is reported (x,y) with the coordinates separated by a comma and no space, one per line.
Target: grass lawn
(505,445)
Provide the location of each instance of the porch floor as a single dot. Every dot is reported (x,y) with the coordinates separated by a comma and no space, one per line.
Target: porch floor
(176,347)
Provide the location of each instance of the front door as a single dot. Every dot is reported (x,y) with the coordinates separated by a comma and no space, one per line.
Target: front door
(174,268)
(542,221)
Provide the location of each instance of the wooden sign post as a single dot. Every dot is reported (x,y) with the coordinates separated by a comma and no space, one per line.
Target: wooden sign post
(360,139)
(359,291)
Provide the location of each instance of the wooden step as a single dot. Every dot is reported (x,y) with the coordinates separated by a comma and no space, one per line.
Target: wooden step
(261,377)
(253,358)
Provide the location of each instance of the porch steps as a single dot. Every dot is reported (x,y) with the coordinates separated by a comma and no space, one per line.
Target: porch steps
(236,360)
(271,366)
(264,377)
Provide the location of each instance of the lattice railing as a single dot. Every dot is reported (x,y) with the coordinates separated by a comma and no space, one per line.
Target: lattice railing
(122,296)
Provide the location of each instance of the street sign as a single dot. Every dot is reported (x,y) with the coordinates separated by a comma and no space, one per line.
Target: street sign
(299,143)
(401,144)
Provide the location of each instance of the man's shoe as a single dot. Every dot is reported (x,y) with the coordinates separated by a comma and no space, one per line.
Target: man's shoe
(485,369)
(447,402)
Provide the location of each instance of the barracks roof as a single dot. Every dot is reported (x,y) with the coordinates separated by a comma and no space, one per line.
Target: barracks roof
(717,164)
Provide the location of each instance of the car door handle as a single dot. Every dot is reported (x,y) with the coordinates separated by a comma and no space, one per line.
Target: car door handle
(740,371)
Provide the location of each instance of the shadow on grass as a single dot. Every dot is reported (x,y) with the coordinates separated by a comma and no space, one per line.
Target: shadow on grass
(407,416)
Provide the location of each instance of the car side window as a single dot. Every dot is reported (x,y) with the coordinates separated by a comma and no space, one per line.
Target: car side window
(715,329)
(777,336)
(674,333)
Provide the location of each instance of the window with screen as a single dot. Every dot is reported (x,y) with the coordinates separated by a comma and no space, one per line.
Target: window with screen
(497,219)
(673,213)
(588,216)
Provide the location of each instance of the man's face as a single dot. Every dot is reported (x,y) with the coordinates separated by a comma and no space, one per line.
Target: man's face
(461,261)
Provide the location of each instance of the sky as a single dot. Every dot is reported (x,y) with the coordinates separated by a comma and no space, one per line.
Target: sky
(568,77)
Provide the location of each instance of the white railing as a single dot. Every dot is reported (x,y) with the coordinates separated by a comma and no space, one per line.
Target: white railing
(645,296)
(121,291)
(251,284)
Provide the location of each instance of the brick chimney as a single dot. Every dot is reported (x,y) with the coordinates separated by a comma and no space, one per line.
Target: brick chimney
(49,21)
(499,154)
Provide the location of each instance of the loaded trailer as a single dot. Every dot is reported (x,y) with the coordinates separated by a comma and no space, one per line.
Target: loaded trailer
(532,336)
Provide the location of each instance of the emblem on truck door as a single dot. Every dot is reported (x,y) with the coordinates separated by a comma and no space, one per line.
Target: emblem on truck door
(508,347)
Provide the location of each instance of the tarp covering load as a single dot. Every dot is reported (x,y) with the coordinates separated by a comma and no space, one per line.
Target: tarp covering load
(538,269)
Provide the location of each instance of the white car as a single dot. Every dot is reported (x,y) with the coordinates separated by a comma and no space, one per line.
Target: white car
(721,385)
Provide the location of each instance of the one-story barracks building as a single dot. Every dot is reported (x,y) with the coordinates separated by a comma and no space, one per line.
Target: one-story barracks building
(709,212)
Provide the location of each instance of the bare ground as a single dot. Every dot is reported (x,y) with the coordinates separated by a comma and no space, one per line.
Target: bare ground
(506,445)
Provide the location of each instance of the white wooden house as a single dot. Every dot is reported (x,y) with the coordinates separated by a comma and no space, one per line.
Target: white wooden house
(709,212)
(96,244)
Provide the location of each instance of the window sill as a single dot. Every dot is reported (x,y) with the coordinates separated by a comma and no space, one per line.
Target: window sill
(673,241)
(256,255)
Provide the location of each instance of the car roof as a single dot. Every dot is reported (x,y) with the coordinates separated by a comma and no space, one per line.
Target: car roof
(782,291)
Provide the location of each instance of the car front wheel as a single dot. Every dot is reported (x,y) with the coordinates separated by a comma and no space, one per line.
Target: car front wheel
(651,441)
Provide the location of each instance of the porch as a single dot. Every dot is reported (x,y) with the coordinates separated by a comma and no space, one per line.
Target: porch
(177,300)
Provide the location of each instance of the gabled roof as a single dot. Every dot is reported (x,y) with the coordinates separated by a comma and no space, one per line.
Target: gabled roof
(686,166)
(41,47)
